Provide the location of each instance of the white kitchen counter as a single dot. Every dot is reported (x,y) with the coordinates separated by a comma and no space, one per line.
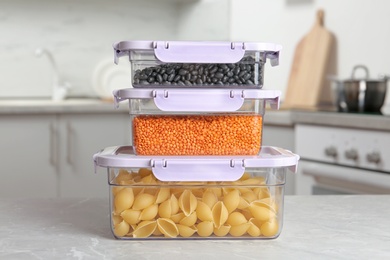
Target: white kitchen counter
(315,227)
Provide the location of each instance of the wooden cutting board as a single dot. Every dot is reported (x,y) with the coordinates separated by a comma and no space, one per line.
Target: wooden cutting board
(314,61)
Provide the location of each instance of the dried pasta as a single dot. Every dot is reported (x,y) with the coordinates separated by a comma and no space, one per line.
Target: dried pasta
(142,207)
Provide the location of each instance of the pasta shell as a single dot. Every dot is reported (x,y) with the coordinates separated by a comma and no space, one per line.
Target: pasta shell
(187,202)
(116,189)
(235,219)
(123,200)
(249,196)
(254,229)
(209,198)
(174,205)
(177,217)
(162,195)
(167,227)
(205,228)
(143,200)
(116,219)
(270,228)
(204,212)
(222,230)
(239,230)
(131,216)
(243,203)
(165,209)
(123,177)
(252,181)
(198,193)
(231,200)
(143,172)
(186,231)
(217,191)
(145,229)
(149,213)
(121,229)
(261,212)
(190,220)
(220,214)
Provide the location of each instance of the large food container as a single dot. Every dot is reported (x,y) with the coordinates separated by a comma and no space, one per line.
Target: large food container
(196,197)
(197,121)
(197,64)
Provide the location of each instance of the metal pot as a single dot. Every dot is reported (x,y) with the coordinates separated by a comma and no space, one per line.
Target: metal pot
(360,95)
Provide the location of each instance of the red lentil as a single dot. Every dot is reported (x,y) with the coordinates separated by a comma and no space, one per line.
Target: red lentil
(197,134)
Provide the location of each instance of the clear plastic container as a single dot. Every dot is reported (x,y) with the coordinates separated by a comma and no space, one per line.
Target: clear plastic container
(196,197)
(196,121)
(197,64)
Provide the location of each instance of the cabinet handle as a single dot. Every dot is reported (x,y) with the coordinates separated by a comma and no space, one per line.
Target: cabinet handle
(53,145)
(331,151)
(69,132)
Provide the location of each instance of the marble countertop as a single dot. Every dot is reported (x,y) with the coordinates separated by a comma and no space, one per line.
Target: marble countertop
(315,227)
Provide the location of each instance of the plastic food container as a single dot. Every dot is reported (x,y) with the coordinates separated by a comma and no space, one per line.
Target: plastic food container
(196,197)
(197,64)
(197,121)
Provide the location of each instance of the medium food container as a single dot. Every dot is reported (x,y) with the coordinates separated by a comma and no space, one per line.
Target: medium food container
(196,197)
(197,121)
(197,64)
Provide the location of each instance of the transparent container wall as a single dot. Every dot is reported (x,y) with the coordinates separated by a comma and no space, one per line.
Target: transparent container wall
(155,132)
(143,207)
(147,71)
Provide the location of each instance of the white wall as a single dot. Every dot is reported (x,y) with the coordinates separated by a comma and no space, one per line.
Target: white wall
(361,27)
(79,33)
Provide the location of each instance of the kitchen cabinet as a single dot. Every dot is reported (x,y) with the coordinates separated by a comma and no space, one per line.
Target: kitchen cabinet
(28,162)
(50,155)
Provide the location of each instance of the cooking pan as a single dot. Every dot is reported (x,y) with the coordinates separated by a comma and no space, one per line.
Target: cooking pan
(361,95)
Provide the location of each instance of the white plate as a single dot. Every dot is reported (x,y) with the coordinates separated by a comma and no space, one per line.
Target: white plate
(107,77)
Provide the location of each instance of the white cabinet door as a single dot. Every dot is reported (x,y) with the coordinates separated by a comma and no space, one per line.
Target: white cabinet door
(28,156)
(82,135)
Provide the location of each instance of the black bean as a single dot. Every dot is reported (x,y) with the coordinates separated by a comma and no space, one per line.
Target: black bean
(171,77)
(236,70)
(201,70)
(199,81)
(183,72)
(219,75)
(230,74)
(214,69)
(187,82)
(194,72)
(165,76)
(242,73)
(159,78)
(246,76)
(142,76)
(181,83)
(170,70)
(151,79)
(177,78)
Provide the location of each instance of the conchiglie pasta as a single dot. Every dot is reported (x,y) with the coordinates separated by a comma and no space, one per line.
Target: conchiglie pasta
(231,200)
(142,207)
(167,227)
(186,231)
(204,212)
(131,216)
(149,213)
(142,201)
(222,230)
(124,199)
(205,228)
(145,229)
(220,214)
(236,218)
(239,230)
(121,229)
(209,198)
(187,202)
(189,220)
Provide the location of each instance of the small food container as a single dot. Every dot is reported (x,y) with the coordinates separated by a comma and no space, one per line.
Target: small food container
(197,64)
(196,197)
(197,121)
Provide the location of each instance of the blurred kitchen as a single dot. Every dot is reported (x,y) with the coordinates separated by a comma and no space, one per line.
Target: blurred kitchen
(47,145)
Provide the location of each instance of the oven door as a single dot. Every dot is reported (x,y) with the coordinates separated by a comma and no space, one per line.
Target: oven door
(315,178)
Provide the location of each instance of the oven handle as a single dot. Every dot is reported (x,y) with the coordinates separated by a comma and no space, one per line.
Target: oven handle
(360,176)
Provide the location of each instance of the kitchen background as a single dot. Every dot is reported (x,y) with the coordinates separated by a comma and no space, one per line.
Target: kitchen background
(80,34)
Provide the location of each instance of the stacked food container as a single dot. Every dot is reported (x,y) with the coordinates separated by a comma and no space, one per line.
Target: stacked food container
(197,167)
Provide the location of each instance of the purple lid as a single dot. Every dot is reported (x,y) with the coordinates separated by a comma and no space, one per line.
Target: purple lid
(198,52)
(196,168)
